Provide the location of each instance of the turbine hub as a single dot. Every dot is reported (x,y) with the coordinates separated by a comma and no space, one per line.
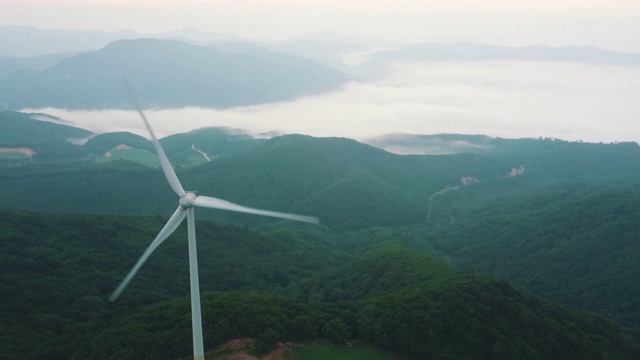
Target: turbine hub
(187,200)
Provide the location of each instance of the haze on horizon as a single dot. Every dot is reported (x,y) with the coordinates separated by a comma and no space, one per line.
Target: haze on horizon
(508,99)
(611,24)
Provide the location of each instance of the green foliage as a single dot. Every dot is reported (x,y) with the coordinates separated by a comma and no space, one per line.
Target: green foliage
(576,245)
(58,270)
(348,185)
(355,278)
(438,314)
(163,331)
(430,311)
(380,272)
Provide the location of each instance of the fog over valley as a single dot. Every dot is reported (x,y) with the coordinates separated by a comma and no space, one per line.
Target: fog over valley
(568,100)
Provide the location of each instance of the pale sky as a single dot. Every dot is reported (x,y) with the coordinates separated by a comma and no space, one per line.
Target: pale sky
(613,24)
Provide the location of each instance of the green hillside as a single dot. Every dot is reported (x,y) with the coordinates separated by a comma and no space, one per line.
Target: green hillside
(435,313)
(349,185)
(335,179)
(58,271)
(544,159)
(452,315)
(575,244)
(563,228)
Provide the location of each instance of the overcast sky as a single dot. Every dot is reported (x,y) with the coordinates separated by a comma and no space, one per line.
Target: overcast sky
(509,99)
(611,24)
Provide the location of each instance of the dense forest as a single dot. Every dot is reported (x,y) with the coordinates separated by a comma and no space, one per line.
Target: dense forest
(416,254)
(571,244)
(284,285)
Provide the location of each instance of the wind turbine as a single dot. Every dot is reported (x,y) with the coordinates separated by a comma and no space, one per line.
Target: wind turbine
(189,200)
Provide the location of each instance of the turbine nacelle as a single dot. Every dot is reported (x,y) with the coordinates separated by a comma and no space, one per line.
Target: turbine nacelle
(187,200)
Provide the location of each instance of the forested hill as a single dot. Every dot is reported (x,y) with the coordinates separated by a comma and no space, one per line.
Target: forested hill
(422,307)
(58,271)
(576,244)
(349,185)
(167,73)
(332,178)
(547,159)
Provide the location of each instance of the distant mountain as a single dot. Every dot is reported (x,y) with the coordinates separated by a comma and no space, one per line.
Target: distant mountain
(481,52)
(167,74)
(327,52)
(26,41)
(195,35)
(9,64)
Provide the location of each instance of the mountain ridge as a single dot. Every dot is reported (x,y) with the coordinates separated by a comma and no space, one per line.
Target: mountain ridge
(167,73)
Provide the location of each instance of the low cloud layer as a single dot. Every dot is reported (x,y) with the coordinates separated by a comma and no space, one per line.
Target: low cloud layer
(569,101)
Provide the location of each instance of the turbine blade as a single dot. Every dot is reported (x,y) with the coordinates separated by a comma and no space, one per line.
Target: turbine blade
(167,230)
(215,203)
(164,160)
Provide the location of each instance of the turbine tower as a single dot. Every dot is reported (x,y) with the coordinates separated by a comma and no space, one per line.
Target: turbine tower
(186,204)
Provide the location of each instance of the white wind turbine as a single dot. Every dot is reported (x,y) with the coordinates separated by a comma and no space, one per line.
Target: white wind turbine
(186,204)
